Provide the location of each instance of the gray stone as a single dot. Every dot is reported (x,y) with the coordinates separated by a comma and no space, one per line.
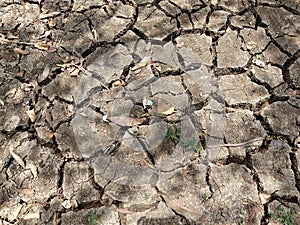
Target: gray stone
(255,40)
(245,20)
(116,15)
(185,197)
(167,85)
(282,118)
(66,141)
(241,126)
(186,4)
(270,74)
(274,169)
(233,185)
(199,18)
(73,32)
(229,51)
(47,165)
(274,55)
(58,113)
(155,23)
(234,6)
(169,8)
(80,5)
(237,89)
(109,65)
(76,184)
(63,86)
(279,20)
(289,43)
(201,45)
(184,21)
(217,20)
(14,14)
(55,204)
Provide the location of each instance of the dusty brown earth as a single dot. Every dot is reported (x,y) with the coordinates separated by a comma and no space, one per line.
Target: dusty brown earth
(149,112)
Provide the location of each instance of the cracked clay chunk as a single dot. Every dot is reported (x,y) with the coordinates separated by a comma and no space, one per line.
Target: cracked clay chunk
(274,169)
(229,51)
(237,89)
(282,118)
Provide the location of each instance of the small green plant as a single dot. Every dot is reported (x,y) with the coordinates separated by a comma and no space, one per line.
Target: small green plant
(205,196)
(147,196)
(241,210)
(173,133)
(95,130)
(192,145)
(257,56)
(93,220)
(284,216)
(136,133)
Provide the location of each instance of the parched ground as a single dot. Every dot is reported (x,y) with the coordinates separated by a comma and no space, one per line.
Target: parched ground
(149,112)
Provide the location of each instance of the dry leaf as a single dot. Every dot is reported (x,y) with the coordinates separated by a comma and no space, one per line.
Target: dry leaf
(169,111)
(24,191)
(251,45)
(123,211)
(118,83)
(295,92)
(259,63)
(67,204)
(17,158)
(42,46)
(52,49)
(141,64)
(45,73)
(265,105)
(33,215)
(46,34)
(11,93)
(31,114)
(264,198)
(14,213)
(1,103)
(127,121)
(33,170)
(48,15)
(20,51)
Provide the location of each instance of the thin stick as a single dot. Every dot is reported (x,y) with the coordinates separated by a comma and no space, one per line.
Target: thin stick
(236,145)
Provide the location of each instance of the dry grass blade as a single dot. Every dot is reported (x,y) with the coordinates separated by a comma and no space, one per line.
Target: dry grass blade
(17,158)
(123,211)
(20,51)
(127,121)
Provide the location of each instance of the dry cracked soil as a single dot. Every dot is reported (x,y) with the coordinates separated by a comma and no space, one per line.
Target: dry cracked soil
(149,112)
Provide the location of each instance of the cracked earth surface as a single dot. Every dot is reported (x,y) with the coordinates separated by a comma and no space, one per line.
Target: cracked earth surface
(149,112)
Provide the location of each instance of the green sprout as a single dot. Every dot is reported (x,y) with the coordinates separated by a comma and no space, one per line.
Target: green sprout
(257,56)
(192,145)
(173,133)
(147,196)
(93,220)
(95,130)
(283,216)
